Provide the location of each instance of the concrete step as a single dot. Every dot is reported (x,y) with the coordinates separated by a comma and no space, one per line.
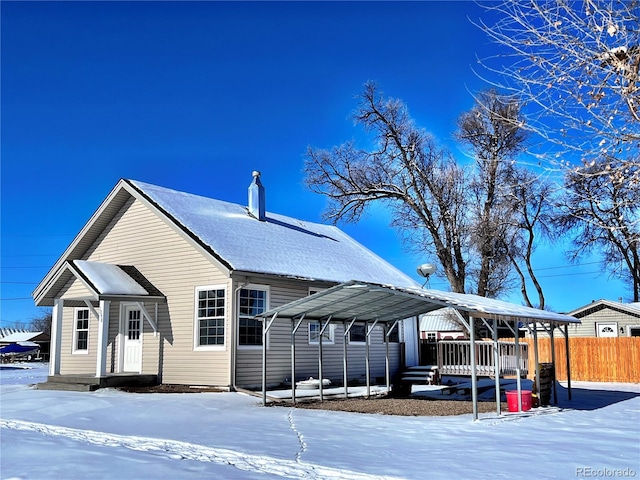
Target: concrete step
(422,368)
(68,387)
(420,374)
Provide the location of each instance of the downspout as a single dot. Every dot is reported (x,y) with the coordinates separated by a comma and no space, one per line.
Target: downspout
(235,320)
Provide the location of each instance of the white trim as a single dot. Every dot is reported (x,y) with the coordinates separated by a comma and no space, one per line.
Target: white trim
(122,330)
(196,321)
(629,327)
(325,341)
(267,290)
(613,325)
(74,344)
(103,337)
(358,324)
(314,290)
(146,315)
(56,337)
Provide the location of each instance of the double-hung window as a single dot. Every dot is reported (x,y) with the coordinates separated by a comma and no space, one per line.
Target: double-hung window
(210,316)
(314,333)
(81,330)
(394,335)
(358,333)
(253,300)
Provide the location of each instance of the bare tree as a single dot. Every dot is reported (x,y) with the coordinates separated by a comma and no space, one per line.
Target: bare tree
(42,322)
(576,67)
(458,212)
(420,183)
(602,210)
(492,130)
(533,211)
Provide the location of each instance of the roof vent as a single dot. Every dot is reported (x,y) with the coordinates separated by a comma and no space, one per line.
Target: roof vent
(256,197)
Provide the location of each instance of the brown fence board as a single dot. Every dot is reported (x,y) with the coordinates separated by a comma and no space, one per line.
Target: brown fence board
(592,359)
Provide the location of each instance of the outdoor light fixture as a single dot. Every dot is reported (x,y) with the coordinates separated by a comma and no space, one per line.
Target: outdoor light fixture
(425,270)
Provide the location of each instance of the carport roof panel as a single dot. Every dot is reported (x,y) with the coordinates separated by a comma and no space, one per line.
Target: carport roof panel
(386,303)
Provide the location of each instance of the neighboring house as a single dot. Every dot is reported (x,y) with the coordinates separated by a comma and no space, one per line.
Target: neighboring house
(167,283)
(441,324)
(604,318)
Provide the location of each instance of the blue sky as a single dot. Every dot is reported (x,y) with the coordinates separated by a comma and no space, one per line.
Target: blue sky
(195,95)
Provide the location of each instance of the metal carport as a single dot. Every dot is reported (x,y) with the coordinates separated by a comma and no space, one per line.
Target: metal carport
(387,305)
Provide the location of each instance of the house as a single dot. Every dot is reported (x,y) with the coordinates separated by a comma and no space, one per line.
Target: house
(605,318)
(441,324)
(168,284)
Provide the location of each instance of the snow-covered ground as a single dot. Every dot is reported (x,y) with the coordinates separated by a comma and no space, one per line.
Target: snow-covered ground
(112,434)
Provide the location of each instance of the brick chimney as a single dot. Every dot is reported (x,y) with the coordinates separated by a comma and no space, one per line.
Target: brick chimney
(256,197)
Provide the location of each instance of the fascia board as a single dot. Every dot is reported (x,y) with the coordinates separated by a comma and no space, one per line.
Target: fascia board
(67,267)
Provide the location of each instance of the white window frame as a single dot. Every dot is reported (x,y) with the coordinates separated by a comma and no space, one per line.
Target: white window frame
(196,324)
(329,336)
(629,327)
(259,287)
(74,348)
(396,329)
(612,325)
(356,324)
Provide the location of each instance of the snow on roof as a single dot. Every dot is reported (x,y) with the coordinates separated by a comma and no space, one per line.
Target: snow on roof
(280,245)
(632,308)
(490,307)
(384,303)
(5,332)
(109,279)
(441,320)
(19,337)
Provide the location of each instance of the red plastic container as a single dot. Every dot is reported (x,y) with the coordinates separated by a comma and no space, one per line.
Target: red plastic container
(512,400)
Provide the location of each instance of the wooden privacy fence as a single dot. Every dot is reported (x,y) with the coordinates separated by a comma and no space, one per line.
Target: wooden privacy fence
(592,359)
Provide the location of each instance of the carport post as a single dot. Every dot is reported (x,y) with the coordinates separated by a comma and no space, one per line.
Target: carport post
(345,356)
(537,360)
(474,379)
(367,331)
(496,364)
(322,329)
(553,360)
(294,329)
(366,358)
(266,325)
(566,343)
(387,373)
(516,334)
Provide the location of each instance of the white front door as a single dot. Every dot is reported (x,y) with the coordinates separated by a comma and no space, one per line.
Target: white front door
(132,340)
(609,329)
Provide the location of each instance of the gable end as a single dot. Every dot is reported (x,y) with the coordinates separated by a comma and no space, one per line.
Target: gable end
(183,228)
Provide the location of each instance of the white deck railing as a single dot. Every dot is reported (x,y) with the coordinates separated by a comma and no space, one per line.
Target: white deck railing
(454,358)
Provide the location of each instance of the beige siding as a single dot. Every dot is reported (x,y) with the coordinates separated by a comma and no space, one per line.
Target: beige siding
(77,363)
(138,237)
(76,289)
(167,259)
